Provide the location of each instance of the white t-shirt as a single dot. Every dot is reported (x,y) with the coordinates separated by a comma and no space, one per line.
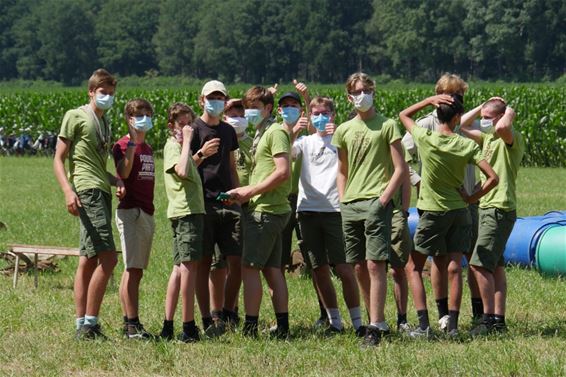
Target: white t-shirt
(317,184)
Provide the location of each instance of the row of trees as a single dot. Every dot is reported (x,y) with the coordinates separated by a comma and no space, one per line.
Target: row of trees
(267,41)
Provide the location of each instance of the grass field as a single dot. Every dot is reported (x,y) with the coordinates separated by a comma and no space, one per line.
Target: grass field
(36,325)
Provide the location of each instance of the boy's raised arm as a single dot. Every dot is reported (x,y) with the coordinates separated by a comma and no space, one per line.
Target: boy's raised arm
(406,115)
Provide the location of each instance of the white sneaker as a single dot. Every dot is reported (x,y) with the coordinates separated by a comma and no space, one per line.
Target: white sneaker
(404,328)
(443,322)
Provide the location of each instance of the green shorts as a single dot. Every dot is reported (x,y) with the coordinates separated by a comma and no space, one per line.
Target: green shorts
(262,239)
(401,243)
(323,241)
(187,238)
(95,216)
(366,225)
(287,236)
(222,230)
(473,209)
(439,233)
(495,226)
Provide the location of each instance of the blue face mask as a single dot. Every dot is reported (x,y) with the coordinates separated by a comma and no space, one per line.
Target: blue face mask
(319,121)
(214,107)
(290,114)
(103,101)
(253,116)
(143,123)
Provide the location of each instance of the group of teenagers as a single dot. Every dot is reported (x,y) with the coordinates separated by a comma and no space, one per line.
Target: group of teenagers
(235,199)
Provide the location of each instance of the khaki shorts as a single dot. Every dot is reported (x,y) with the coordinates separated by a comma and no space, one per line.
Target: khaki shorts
(136,230)
(401,243)
(95,215)
(495,226)
(439,233)
(367,229)
(187,238)
(262,239)
(323,241)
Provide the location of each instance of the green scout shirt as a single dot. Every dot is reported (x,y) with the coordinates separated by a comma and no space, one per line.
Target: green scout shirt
(367,144)
(88,152)
(444,159)
(185,195)
(244,160)
(274,141)
(505,160)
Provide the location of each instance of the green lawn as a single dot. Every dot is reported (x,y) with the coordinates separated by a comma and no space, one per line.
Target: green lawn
(36,325)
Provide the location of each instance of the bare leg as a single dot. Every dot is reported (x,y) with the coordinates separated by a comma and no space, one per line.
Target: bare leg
(362,274)
(188,283)
(439,276)
(252,290)
(414,270)
(233,282)
(486,285)
(401,290)
(83,276)
(500,290)
(349,285)
(97,287)
(131,279)
(202,293)
(325,287)
(276,281)
(455,281)
(378,290)
(216,287)
(172,296)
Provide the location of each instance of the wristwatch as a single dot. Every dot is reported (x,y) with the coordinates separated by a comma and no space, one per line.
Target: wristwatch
(200,155)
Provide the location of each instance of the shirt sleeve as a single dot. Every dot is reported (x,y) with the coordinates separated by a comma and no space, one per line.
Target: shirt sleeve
(477,155)
(280,142)
(69,125)
(297,149)
(171,155)
(337,139)
(118,153)
(393,132)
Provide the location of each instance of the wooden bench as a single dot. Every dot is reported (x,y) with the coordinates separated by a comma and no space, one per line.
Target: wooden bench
(19,251)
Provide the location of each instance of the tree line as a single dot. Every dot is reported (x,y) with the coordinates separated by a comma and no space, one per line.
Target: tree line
(266,41)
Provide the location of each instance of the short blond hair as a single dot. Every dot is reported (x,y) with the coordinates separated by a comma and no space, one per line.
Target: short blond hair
(99,78)
(450,83)
(324,101)
(359,76)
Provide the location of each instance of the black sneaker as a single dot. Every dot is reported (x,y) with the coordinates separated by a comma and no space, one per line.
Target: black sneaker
(500,327)
(232,320)
(277,333)
(136,331)
(90,332)
(361,331)
(190,337)
(216,329)
(331,331)
(372,337)
(322,322)
(249,329)
(125,329)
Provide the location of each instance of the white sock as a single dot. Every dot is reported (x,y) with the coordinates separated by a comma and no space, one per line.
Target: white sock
(356,316)
(335,318)
(79,322)
(383,326)
(91,320)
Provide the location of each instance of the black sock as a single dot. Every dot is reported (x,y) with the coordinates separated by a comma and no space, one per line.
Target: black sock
(422,315)
(167,328)
(477,308)
(487,319)
(125,319)
(442,305)
(216,314)
(499,319)
(401,318)
(323,314)
(250,325)
(453,320)
(228,314)
(189,327)
(134,321)
(282,321)
(206,322)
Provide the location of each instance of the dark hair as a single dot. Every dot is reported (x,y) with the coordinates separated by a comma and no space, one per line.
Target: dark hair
(447,112)
(136,106)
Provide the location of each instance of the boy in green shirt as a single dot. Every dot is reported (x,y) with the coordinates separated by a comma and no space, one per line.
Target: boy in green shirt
(371,168)
(267,213)
(503,147)
(84,139)
(443,231)
(186,212)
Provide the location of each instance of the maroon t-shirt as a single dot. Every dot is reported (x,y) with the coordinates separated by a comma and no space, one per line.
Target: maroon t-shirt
(141,181)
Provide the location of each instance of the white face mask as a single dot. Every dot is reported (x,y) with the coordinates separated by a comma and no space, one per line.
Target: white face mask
(363,101)
(486,126)
(240,124)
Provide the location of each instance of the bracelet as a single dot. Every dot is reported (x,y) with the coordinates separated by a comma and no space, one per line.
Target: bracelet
(200,155)
(131,144)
